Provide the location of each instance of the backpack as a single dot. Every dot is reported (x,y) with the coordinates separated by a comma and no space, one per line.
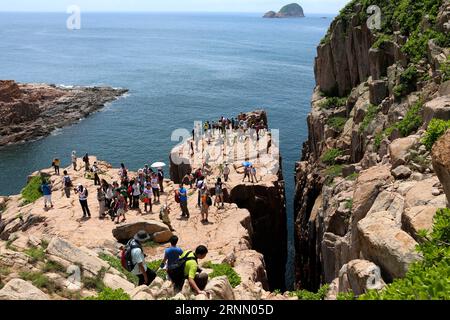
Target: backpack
(176,270)
(177,196)
(208,201)
(67,182)
(126,259)
(86,192)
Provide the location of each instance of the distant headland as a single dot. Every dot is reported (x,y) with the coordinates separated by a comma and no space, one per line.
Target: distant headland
(293,10)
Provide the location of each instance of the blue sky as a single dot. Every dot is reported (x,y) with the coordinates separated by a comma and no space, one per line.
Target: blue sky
(310,6)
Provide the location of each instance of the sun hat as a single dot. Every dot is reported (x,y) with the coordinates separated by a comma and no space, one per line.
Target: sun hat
(142,236)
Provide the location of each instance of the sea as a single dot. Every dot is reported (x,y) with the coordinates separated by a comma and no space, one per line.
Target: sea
(178,67)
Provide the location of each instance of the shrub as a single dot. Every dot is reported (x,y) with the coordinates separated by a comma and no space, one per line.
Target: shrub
(445,69)
(95,283)
(349,204)
(51,266)
(435,130)
(32,190)
(36,254)
(39,280)
(346,296)
(154,265)
(117,264)
(382,38)
(417,44)
(224,269)
(412,121)
(426,279)
(111,295)
(307,295)
(371,113)
(353,176)
(333,102)
(329,157)
(337,123)
(399,90)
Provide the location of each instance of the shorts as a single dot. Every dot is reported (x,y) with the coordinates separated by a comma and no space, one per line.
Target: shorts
(48,198)
(120,212)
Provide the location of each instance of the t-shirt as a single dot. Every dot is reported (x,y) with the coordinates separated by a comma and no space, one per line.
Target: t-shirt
(172,254)
(56,162)
(136,189)
(137,256)
(183,194)
(148,193)
(226,170)
(155,184)
(46,189)
(191,266)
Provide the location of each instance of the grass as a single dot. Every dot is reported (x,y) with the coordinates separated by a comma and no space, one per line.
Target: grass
(9,244)
(381,39)
(154,265)
(36,254)
(32,190)
(4,271)
(333,102)
(150,244)
(116,264)
(337,123)
(371,113)
(39,280)
(111,295)
(51,266)
(332,172)
(307,295)
(353,176)
(435,130)
(95,283)
(445,70)
(329,157)
(223,269)
(349,204)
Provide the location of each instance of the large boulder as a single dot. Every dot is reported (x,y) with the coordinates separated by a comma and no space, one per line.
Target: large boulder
(398,150)
(160,232)
(441,161)
(220,289)
(89,261)
(18,289)
(360,276)
(116,282)
(438,108)
(418,218)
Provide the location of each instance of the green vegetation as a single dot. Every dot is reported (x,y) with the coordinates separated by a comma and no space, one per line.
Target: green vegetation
(412,121)
(32,190)
(426,279)
(333,172)
(154,265)
(435,130)
(307,295)
(4,271)
(9,244)
(349,204)
(117,264)
(329,157)
(346,296)
(371,113)
(337,123)
(223,269)
(51,266)
(95,283)
(445,69)
(36,254)
(353,176)
(333,102)
(408,80)
(381,39)
(39,280)
(110,295)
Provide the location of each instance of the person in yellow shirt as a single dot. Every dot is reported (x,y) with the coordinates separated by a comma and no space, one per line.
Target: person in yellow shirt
(56,164)
(197,280)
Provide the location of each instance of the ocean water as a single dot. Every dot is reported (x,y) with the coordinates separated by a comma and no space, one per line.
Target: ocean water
(178,67)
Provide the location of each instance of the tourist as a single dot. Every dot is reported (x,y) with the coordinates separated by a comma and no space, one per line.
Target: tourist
(226,172)
(147,172)
(109,193)
(154,182)
(199,186)
(219,192)
(86,162)
(46,189)
(182,192)
(74,160)
(136,194)
(101,197)
(123,173)
(67,184)
(171,255)
(253,174)
(197,281)
(206,203)
(82,196)
(95,170)
(161,179)
(246,173)
(56,164)
(120,207)
(164,216)
(141,270)
(148,193)
(129,196)
(141,179)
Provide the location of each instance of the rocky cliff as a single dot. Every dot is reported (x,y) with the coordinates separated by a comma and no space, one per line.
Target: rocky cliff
(31,111)
(366,184)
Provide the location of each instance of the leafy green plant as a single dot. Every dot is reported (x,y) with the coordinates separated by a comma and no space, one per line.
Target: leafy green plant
(333,102)
(426,279)
(381,39)
(337,123)
(95,283)
(412,121)
(109,294)
(332,172)
(39,280)
(223,269)
(51,266)
(154,265)
(349,204)
(32,190)
(307,295)
(445,69)
(346,296)
(36,254)
(371,113)
(117,264)
(435,130)
(353,176)
(329,157)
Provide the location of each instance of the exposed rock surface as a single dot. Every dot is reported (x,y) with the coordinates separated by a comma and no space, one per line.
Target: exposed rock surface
(293,10)
(441,162)
(18,289)
(31,111)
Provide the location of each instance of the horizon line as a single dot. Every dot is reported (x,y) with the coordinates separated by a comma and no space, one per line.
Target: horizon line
(149,11)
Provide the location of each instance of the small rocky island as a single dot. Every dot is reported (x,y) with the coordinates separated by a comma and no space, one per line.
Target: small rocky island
(293,10)
(31,111)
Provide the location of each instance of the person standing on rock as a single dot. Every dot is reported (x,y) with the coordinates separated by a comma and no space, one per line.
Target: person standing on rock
(226,172)
(182,192)
(155,187)
(206,203)
(123,173)
(46,189)
(219,192)
(109,193)
(148,193)
(144,274)
(101,203)
(199,185)
(86,163)
(74,160)
(136,194)
(95,170)
(120,207)
(67,184)
(56,164)
(161,179)
(82,196)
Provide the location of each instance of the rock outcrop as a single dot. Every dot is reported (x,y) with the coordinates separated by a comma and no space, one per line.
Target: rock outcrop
(441,162)
(18,289)
(32,111)
(293,10)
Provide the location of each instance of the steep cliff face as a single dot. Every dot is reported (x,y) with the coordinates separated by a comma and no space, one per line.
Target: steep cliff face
(366,184)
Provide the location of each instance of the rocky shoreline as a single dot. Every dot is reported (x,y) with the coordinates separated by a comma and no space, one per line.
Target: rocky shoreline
(32,111)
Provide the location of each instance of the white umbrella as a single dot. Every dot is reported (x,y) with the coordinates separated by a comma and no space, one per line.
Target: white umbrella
(158,165)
